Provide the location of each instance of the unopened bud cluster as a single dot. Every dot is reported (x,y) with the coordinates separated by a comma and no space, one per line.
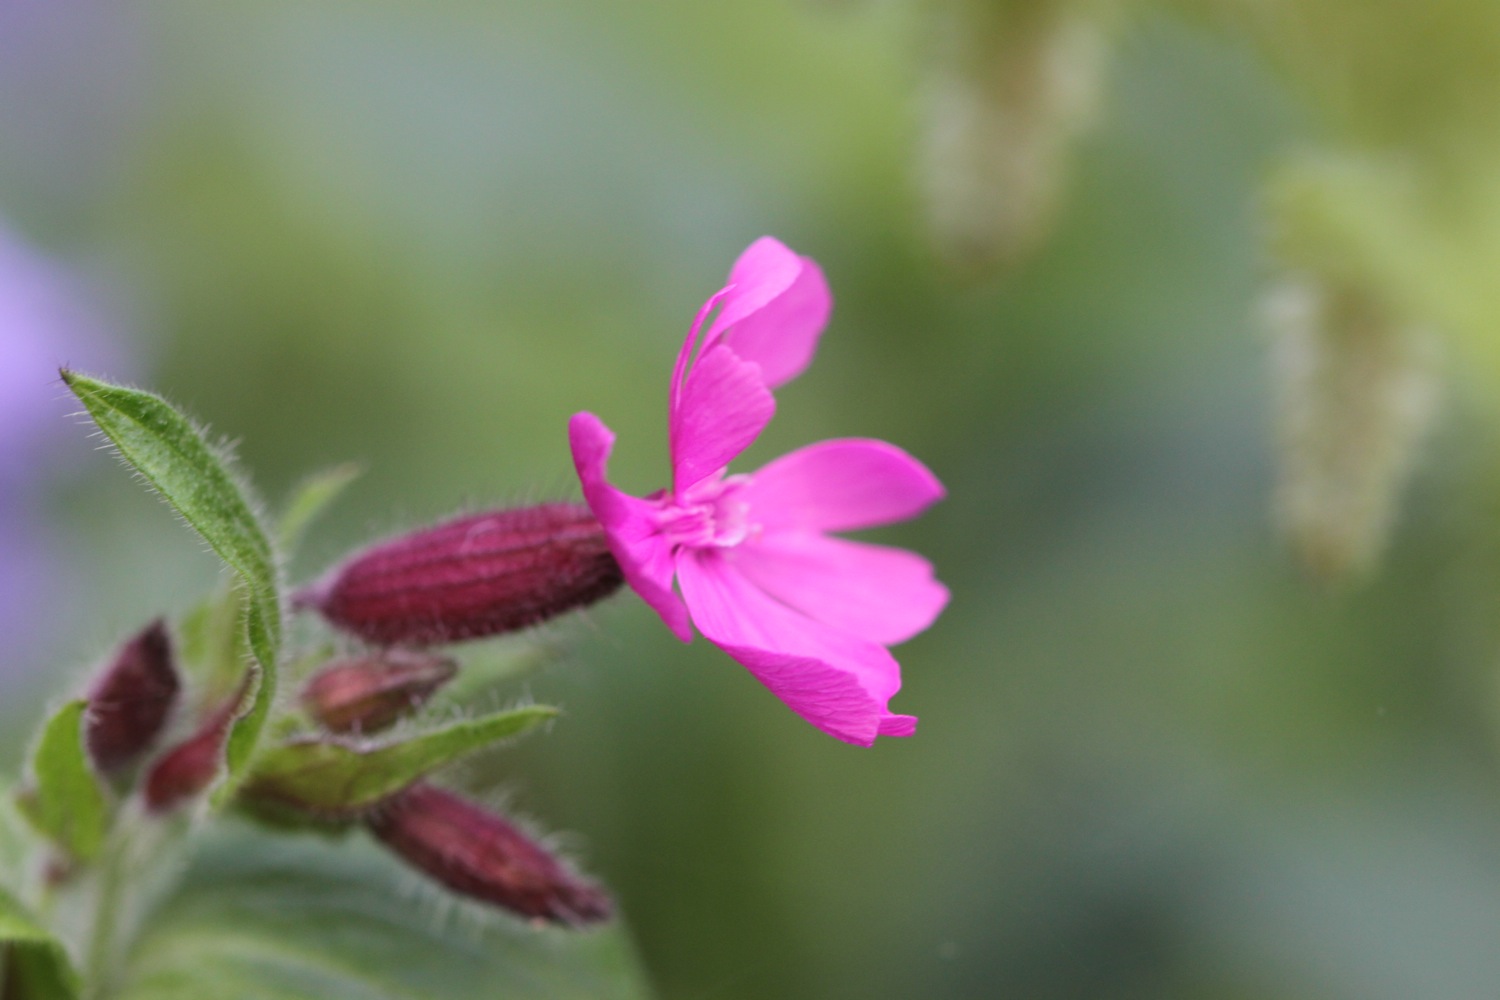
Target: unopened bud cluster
(457,843)
(468,578)
(131,705)
(133,702)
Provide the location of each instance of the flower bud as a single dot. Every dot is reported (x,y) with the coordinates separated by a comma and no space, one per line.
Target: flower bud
(369,693)
(480,854)
(132,699)
(470,577)
(191,766)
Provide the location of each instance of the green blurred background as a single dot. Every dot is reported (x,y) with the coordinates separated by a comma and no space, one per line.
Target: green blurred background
(1154,761)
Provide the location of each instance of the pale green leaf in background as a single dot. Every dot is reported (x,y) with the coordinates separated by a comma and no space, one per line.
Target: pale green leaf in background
(33,963)
(67,803)
(491,667)
(311,497)
(263,917)
(172,455)
(333,776)
(15,839)
(215,649)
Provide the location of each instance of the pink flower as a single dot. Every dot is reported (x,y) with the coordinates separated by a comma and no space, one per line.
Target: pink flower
(809,615)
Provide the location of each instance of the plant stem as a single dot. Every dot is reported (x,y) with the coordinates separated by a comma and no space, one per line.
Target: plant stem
(99,967)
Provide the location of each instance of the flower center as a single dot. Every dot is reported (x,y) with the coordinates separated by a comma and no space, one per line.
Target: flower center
(712,514)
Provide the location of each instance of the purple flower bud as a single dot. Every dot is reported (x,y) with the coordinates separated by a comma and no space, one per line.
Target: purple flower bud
(191,766)
(471,577)
(131,700)
(478,853)
(369,693)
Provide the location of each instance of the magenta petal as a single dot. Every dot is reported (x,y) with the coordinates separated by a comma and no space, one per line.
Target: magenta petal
(835,681)
(841,485)
(881,594)
(823,695)
(898,725)
(723,407)
(762,273)
(782,333)
(644,555)
(690,346)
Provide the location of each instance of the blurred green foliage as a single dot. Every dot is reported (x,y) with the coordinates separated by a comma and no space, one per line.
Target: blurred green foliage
(1153,761)
(258,916)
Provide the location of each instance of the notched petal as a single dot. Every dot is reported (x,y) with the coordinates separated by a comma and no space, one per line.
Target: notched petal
(837,682)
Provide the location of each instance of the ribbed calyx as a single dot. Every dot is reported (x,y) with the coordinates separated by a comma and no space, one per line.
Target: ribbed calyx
(480,854)
(471,577)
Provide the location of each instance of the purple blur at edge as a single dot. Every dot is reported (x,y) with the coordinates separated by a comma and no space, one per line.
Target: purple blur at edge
(48,317)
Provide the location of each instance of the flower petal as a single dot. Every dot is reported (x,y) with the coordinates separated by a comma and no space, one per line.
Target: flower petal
(769,321)
(836,682)
(881,594)
(723,407)
(762,273)
(841,485)
(766,328)
(644,555)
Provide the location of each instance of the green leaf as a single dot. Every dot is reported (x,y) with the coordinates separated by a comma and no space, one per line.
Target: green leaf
(311,497)
(33,964)
(327,775)
(245,736)
(274,917)
(214,648)
(16,840)
(492,666)
(172,455)
(67,804)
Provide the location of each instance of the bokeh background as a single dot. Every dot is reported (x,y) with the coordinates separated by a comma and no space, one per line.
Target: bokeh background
(1156,759)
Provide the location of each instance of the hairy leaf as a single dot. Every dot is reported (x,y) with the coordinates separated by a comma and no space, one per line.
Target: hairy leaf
(33,964)
(67,804)
(173,456)
(262,917)
(330,775)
